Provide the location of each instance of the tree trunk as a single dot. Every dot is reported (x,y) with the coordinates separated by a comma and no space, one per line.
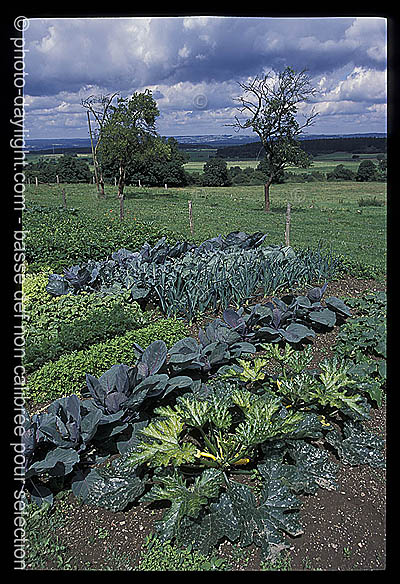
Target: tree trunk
(266,195)
(101,183)
(121,184)
(93,154)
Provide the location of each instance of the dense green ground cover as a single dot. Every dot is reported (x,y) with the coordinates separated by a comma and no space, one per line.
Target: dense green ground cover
(327,213)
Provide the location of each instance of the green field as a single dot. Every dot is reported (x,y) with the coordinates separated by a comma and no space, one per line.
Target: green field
(324,163)
(322,212)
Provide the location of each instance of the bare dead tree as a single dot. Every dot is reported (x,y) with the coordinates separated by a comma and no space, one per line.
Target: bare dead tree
(99,107)
(269,106)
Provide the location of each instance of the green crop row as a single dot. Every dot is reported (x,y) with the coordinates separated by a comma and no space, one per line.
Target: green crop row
(57,325)
(67,375)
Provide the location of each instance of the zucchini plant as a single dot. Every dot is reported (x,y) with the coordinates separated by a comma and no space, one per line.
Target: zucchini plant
(192,452)
(194,424)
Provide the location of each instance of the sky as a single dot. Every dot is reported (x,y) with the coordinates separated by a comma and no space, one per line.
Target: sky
(193,65)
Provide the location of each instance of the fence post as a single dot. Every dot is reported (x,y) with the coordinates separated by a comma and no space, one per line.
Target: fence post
(287,228)
(190,217)
(64,198)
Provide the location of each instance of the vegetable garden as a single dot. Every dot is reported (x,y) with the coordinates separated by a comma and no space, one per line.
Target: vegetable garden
(202,392)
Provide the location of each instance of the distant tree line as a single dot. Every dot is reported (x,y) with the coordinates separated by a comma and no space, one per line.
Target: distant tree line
(158,170)
(358,145)
(67,168)
(217,173)
(150,171)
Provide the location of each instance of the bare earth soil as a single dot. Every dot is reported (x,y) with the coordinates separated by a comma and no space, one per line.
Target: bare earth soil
(344,530)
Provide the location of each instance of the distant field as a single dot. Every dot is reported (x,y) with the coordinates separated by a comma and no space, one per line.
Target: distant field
(326,212)
(199,156)
(321,163)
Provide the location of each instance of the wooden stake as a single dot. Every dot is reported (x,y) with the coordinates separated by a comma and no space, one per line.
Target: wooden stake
(287,229)
(190,217)
(64,198)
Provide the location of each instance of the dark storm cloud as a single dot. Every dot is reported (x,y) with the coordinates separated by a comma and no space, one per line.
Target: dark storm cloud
(65,54)
(188,61)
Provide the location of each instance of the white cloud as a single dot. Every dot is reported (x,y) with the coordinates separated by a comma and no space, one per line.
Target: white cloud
(369,34)
(360,85)
(193,64)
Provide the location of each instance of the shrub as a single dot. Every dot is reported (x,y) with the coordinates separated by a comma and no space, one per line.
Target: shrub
(69,169)
(216,173)
(367,171)
(67,374)
(370,202)
(340,172)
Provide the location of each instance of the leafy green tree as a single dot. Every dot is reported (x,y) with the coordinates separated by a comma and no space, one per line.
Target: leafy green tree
(382,169)
(44,171)
(129,134)
(367,171)
(170,168)
(166,168)
(216,173)
(264,167)
(270,107)
(340,172)
(71,169)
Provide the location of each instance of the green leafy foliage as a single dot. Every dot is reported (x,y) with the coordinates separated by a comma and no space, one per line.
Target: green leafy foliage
(59,325)
(187,417)
(237,517)
(186,501)
(362,342)
(59,237)
(112,487)
(166,556)
(162,445)
(356,445)
(186,279)
(67,374)
(68,168)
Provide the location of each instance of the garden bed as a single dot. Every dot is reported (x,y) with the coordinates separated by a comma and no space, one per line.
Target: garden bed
(344,529)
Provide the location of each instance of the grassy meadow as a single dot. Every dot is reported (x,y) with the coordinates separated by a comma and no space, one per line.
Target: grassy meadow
(327,213)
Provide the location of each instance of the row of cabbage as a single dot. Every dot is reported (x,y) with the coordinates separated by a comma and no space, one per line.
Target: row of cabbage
(186,280)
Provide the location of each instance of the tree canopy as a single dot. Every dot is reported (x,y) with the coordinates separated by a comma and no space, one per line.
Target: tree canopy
(270,107)
(129,136)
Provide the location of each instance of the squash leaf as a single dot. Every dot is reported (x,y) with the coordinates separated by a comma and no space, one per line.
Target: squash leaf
(237,517)
(185,500)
